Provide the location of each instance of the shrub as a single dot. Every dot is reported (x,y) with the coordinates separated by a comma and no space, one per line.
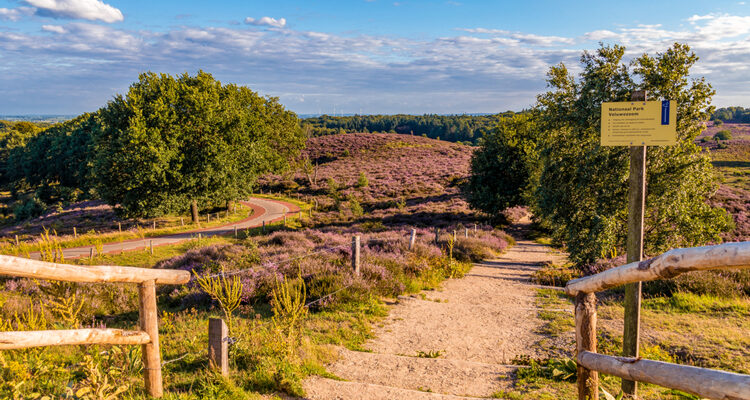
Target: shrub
(724,134)
(362,180)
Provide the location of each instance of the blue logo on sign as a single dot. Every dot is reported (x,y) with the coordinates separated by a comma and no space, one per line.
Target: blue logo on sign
(665,112)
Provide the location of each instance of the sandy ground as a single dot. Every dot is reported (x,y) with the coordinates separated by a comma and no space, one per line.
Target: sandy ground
(479,324)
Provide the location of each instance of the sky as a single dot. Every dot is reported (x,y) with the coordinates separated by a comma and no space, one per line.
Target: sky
(351,56)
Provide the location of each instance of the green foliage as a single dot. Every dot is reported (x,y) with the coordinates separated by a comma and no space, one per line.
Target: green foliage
(362,180)
(557,369)
(582,191)
(731,114)
(172,140)
(503,165)
(356,208)
(430,353)
(723,134)
(225,291)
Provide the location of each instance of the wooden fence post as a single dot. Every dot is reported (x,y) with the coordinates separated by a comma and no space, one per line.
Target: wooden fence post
(91,253)
(75,233)
(437,236)
(119,226)
(151,246)
(475,229)
(412,238)
(17,243)
(235,231)
(149,323)
(218,345)
(182,221)
(264,226)
(355,254)
(634,249)
(154,225)
(284,219)
(466,232)
(454,236)
(585,315)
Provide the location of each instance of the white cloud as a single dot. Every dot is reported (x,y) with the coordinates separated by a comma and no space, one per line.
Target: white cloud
(92,10)
(14,14)
(267,21)
(53,28)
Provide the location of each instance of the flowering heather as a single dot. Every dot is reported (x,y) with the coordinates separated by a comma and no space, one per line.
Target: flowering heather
(411,179)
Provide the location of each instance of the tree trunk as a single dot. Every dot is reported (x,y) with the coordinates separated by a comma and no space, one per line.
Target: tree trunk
(194,211)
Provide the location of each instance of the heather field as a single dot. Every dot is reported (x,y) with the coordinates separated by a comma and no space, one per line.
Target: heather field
(288,294)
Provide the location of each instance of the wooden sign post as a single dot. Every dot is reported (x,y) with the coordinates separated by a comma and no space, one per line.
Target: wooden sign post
(634,247)
(638,123)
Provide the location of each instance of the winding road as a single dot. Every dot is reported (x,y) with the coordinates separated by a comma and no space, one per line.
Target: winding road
(264,210)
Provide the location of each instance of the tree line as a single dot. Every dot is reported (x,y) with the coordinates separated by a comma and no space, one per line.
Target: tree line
(170,144)
(732,114)
(550,159)
(455,128)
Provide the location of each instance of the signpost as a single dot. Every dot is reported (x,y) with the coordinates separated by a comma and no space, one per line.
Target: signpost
(637,123)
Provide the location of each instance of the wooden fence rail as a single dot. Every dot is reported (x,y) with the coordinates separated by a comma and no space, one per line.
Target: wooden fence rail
(147,336)
(702,382)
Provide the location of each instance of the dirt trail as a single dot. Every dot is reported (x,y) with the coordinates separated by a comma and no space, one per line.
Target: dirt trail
(478,323)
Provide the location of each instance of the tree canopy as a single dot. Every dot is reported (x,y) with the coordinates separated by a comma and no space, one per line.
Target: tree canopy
(578,188)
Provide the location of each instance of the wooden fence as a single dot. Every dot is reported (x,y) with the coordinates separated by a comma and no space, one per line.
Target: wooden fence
(702,382)
(147,336)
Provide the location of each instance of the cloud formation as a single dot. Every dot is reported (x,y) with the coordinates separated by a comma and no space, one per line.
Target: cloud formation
(92,10)
(78,66)
(14,14)
(266,21)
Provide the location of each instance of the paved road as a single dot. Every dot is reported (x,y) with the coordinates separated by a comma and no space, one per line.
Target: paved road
(264,211)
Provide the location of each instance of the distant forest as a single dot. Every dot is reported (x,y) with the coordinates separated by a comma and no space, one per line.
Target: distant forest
(732,114)
(455,128)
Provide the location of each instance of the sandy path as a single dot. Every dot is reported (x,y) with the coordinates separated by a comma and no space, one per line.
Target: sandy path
(479,323)
(265,210)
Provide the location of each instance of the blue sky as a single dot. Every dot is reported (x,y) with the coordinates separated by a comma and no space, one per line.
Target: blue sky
(368,56)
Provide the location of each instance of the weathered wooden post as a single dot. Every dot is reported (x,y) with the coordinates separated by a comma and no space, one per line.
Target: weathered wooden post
(235,231)
(148,320)
(264,226)
(154,225)
(17,243)
(437,236)
(119,226)
(412,238)
(300,215)
(585,315)
(218,346)
(466,232)
(199,236)
(151,246)
(208,217)
(284,220)
(454,236)
(355,254)
(182,221)
(91,253)
(475,229)
(636,207)
(75,233)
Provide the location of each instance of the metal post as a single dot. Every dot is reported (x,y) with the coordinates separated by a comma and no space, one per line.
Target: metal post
(355,254)
(636,207)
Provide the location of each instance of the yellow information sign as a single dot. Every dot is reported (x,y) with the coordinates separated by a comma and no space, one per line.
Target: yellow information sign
(639,123)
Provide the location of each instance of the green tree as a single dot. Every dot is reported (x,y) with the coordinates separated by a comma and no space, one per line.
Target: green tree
(724,134)
(172,141)
(582,191)
(504,165)
(362,180)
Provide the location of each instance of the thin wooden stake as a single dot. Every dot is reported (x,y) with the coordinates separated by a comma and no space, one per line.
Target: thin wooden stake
(148,320)
(466,232)
(75,233)
(355,254)
(91,253)
(151,245)
(235,231)
(585,316)
(636,208)
(182,221)
(284,219)
(119,226)
(17,243)
(264,226)
(154,225)
(218,345)
(300,215)
(437,236)
(412,238)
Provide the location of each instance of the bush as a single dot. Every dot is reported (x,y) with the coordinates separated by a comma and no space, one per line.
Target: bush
(362,180)
(723,135)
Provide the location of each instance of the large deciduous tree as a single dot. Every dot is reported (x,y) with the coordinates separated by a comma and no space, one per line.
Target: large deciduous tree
(173,142)
(582,191)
